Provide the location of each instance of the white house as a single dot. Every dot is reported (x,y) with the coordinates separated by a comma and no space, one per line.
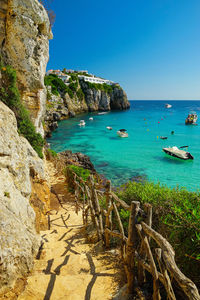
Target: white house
(64,77)
(95,79)
(60,75)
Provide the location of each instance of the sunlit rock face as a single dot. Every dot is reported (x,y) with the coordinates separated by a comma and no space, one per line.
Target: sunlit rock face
(18,239)
(100,100)
(24,44)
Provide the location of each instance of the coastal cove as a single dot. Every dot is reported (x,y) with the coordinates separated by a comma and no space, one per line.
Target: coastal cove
(140,155)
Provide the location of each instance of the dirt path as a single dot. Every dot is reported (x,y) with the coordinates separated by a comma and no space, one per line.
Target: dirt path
(67,267)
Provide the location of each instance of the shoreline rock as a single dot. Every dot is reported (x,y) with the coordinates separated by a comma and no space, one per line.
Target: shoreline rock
(63,107)
(78,159)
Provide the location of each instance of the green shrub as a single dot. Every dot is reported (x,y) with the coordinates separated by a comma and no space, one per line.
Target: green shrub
(73,86)
(80,172)
(9,94)
(74,77)
(70,93)
(101,87)
(52,152)
(80,94)
(176,215)
(57,85)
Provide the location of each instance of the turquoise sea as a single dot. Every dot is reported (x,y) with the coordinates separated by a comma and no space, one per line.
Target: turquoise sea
(140,155)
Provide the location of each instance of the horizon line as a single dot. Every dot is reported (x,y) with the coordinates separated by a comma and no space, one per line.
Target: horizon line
(163,100)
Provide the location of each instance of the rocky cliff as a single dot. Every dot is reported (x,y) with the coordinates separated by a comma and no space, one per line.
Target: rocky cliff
(84,98)
(24,34)
(18,239)
(97,99)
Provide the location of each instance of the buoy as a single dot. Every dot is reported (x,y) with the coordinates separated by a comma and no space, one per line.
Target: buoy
(161,118)
(157,136)
(158,122)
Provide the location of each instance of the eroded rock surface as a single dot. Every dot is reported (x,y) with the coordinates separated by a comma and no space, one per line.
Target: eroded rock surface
(18,239)
(24,34)
(100,100)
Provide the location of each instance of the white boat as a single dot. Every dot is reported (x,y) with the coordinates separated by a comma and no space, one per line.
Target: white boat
(91,119)
(176,152)
(167,105)
(191,118)
(103,113)
(82,123)
(109,128)
(122,133)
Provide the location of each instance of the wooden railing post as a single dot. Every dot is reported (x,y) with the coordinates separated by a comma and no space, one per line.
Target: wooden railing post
(108,214)
(148,211)
(131,246)
(97,209)
(163,269)
(154,272)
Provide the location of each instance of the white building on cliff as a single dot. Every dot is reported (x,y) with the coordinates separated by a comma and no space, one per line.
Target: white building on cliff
(95,79)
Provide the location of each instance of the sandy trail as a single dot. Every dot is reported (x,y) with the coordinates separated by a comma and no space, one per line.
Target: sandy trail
(67,267)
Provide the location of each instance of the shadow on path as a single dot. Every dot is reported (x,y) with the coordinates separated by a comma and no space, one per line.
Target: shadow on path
(53,275)
(94,277)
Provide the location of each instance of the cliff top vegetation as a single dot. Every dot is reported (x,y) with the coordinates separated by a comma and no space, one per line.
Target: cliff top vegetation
(9,94)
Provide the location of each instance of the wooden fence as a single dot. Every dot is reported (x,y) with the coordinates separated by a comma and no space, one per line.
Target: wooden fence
(142,250)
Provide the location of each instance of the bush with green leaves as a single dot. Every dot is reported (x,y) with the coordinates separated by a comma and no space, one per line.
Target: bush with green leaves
(80,94)
(176,215)
(9,94)
(101,87)
(52,152)
(73,86)
(57,85)
(79,171)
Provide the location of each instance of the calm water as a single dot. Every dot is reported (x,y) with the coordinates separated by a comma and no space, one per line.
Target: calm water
(121,159)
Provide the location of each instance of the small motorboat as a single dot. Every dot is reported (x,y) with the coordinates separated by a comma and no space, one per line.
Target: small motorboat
(82,123)
(91,119)
(191,118)
(122,133)
(163,137)
(176,152)
(167,105)
(103,113)
(109,128)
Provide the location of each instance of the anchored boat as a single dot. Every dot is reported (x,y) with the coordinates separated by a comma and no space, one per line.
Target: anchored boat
(191,118)
(167,105)
(82,123)
(176,152)
(122,133)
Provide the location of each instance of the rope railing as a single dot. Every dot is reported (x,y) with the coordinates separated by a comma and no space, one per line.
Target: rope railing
(138,250)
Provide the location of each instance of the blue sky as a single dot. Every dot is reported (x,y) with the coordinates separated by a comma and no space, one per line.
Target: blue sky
(151,47)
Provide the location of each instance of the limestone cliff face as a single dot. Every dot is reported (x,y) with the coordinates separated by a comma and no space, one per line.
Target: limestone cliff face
(101,100)
(63,106)
(18,239)
(24,34)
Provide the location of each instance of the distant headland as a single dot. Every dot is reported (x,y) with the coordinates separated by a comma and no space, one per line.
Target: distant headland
(71,92)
